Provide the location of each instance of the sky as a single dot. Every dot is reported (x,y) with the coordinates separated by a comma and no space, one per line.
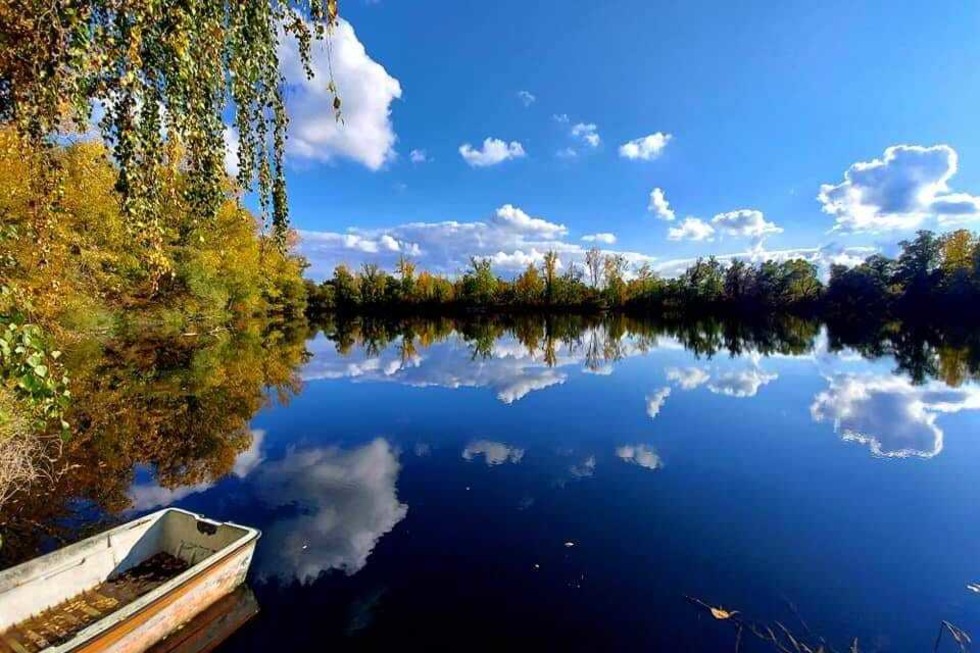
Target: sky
(661,130)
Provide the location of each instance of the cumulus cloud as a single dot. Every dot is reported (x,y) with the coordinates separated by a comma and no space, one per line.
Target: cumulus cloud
(526,97)
(587,132)
(687,378)
(366,135)
(888,414)
(645,148)
(494,453)
(691,229)
(337,502)
(516,218)
(567,153)
(655,401)
(640,454)
(733,383)
(605,238)
(744,222)
(560,118)
(418,156)
(494,151)
(906,186)
(518,259)
(659,206)
(743,383)
(823,257)
(510,236)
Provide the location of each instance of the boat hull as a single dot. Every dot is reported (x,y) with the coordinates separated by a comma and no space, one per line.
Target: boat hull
(138,632)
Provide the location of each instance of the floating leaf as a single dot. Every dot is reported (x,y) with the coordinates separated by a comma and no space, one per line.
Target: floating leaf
(720,613)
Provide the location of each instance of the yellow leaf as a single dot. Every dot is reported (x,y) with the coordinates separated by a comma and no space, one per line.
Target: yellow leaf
(719,613)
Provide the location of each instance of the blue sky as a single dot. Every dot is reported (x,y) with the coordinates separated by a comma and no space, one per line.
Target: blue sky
(750,113)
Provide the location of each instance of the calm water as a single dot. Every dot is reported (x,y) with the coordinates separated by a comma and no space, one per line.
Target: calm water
(568,485)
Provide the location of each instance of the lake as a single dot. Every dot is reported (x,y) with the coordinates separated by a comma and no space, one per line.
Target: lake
(563,483)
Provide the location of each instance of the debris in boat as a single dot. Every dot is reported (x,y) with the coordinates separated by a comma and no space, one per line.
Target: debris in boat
(60,623)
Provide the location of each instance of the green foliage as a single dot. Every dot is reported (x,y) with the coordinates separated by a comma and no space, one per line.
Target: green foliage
(27,369)
(163,75)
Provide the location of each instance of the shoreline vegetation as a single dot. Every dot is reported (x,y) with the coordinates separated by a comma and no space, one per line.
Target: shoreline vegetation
(934,276)
(70,275)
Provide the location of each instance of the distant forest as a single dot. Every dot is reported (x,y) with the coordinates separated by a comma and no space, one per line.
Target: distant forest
(939,274)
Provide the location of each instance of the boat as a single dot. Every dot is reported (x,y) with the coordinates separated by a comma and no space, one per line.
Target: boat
(126,589)
(212,627)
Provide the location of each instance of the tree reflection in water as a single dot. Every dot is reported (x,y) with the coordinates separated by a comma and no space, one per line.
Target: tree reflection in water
(181,406)
(178,405)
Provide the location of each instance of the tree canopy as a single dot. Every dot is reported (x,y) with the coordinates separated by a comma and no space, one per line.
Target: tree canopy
(159,78)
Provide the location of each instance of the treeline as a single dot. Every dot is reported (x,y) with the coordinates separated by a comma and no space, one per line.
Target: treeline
(940,271)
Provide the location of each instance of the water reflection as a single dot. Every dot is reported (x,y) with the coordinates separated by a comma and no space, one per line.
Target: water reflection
(334,505)
(889,414)
(690,446)
(640,454)
(893,414)
(494,453)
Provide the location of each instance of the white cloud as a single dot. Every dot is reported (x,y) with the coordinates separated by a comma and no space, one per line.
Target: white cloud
(640,454)
(510,235)
(566,153)
(605,238)
(560,118)
(517,260)
(659,206)
(526,97)
(512,216)
(587,132)
(822,257)
(743,383)
(901,190)
(366,89)
(656,401)
(494,151)
(337,504)
(687,378)
(890,415)
(494,453)
(418,156)
(691,229)
(646,148)
(744,222)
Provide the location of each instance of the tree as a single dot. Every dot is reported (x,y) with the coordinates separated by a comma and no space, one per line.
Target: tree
(593,264)
(738,277)
(614,267)
(529,287)
(406,273)
(163,75)
(550,266)
(346,287)
(917,265)
(480,285)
